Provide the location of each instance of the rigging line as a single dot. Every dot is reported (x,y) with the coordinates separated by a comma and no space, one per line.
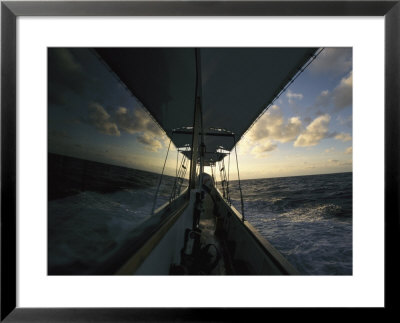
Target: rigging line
(182,167)
(221,174)
(240,188)
(225,181)
(182,172)
(179,178)
(177,172)
(159,182)
(218,168)
(229,165)
(220,177)
(177,157)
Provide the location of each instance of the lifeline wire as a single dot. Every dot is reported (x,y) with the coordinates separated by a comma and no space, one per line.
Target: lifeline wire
(159,183)
(240,188)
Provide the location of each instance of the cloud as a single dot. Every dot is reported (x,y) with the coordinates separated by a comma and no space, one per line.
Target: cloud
(273,126)
(343,137)
(333,60)
(135,121)
(340,163)
(315,131)
(343,94)
(329,150)
(293,96)
(349,150)
(346,163)
(260,150)
(345,121)
(138,121)
(244,146)
(323,99)
(131,121)
(149,141)
(267,131)
(102,121)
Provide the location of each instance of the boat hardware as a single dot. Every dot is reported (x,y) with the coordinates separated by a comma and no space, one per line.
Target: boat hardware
(183,132)
(196,259)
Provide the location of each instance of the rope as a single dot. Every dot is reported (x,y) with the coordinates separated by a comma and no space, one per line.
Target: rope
(240,188)
(161,176)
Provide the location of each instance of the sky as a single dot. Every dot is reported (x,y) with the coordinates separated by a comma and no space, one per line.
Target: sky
(307,130)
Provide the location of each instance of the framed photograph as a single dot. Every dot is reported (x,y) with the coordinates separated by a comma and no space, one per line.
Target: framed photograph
(104,104)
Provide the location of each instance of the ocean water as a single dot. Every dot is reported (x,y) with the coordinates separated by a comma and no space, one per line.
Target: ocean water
(93,207)
(307,218)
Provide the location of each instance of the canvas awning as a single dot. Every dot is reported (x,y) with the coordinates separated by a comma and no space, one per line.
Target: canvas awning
(237,84)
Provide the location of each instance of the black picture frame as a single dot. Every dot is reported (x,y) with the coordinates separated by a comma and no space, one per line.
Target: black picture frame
(10,10)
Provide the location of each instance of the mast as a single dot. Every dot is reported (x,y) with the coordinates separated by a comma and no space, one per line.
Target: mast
(198,133)
(195,143)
